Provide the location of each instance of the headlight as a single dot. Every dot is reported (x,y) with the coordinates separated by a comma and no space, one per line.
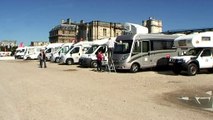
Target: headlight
(124,57)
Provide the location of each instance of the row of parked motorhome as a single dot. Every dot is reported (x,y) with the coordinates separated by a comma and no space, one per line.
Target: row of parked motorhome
(133,52)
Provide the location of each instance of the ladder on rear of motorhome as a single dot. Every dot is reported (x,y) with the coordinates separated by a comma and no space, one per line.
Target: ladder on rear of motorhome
(111,66)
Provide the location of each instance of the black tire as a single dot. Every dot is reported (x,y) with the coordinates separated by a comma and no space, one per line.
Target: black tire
(93,64)
(192,69)
(134,68)
(69,62)
(57,60)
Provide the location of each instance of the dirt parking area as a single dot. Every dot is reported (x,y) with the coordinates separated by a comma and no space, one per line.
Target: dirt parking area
(61,92)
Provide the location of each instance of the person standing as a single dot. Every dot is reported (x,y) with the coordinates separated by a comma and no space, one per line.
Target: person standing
(99,61)
(42,59)
(110,45)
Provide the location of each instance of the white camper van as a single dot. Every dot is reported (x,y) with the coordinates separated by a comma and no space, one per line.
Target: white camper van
(72,56)
(51,48)
(32,52)
(55,57)
(19,53)
(137,51)
(199,56)
(89,59)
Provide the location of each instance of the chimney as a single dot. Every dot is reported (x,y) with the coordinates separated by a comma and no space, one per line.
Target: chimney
(68,21)
(62,21)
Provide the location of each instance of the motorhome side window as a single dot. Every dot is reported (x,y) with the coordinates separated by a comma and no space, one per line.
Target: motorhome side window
(137,47)
(161,44)
(145,46)
(206,53)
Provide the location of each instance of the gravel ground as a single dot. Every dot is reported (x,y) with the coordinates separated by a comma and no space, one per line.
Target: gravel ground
(61,92)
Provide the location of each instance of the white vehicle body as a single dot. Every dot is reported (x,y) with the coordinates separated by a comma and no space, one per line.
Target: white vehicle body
(131,28)
(19,53)
(72,56)
(51,48)
(138,51)
(32,52)
(89,59)
(199,56)
(55,57)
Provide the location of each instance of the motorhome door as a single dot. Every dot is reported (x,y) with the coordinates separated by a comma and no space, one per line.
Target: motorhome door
(75,54)
(146,53)
(205,59)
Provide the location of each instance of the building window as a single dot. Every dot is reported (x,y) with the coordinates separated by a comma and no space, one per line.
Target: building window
(104,32)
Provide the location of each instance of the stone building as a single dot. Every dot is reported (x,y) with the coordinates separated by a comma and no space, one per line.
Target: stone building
(39,43)
(63,33)
(153,25)
(98,29)
(8,43)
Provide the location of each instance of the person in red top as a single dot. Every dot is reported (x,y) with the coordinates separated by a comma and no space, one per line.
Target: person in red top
(99,60)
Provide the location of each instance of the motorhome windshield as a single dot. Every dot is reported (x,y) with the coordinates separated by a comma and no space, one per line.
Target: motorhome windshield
(123,46)
(92,49)
(194,51)
(68,50)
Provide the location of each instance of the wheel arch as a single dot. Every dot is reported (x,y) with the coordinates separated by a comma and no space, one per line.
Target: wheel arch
(135,63)
(69,59)
(194,62)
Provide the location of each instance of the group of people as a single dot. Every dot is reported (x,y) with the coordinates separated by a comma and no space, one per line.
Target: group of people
(100,56)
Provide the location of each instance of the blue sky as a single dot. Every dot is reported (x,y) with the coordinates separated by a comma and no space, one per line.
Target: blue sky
(31,20)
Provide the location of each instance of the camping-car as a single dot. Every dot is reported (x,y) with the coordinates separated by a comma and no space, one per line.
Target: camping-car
(138,51)
(74,53)
(55,57)
(89,59)
(199,55)
(51,48)
(32,52)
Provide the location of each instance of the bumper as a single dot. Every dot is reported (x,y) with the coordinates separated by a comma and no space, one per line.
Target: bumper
(85,62)
(62,61)
(122,66)
(182,66)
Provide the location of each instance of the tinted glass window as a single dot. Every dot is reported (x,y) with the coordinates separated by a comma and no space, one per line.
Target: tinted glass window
(162,44)
(206,53)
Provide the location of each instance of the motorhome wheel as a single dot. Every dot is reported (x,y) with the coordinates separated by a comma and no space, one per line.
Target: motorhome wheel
(134,68)
(192,69)
(93,64)
(57,60)
(69,62)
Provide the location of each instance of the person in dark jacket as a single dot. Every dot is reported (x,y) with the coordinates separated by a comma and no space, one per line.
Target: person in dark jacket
(42,59)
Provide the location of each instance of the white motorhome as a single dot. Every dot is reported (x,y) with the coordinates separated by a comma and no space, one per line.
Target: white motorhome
(32,52)
(72,56)
(55,57)
(138,51)
(51,48)
(89,59)
(19,53)
(199,56)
